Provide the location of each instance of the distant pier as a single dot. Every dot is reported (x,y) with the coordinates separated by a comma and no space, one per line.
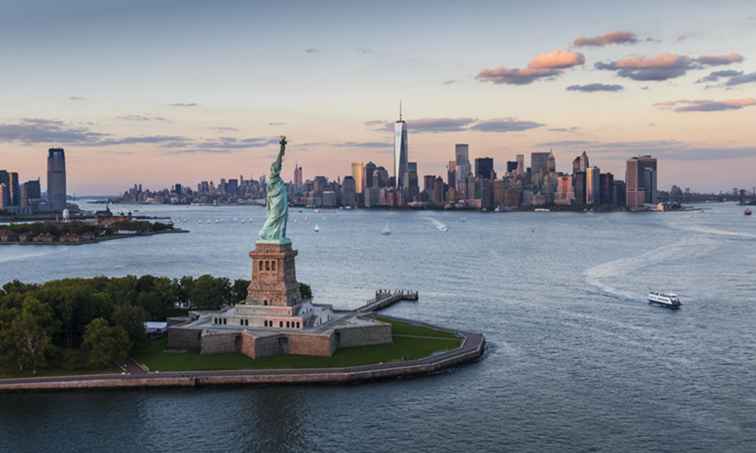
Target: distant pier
(385,298)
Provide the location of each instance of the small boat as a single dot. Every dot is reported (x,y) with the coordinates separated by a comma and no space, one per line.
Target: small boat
(541,210)
(668,300)
(748,211)
(386,231)
(316,229)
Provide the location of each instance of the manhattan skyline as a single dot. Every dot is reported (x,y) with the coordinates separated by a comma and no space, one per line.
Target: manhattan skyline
(184,92)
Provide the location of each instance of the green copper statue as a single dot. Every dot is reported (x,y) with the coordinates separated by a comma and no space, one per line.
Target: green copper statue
(274,229)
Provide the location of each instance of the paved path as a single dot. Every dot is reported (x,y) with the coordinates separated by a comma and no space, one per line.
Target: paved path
(471,350)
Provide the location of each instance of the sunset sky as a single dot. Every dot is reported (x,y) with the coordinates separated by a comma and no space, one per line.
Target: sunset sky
(160,92)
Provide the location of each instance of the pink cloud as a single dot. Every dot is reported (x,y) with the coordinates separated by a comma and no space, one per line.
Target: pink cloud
(545,65)
(615,37)
(664,66)
(717,60)
(706,105)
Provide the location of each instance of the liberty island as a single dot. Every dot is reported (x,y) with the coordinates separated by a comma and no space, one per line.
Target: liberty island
(277,319)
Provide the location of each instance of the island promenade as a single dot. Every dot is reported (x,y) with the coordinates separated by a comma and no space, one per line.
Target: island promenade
(472,348)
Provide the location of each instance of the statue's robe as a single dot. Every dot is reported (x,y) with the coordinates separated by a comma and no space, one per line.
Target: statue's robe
(278,211)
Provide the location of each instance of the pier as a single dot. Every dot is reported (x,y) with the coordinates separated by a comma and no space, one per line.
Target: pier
(385,298)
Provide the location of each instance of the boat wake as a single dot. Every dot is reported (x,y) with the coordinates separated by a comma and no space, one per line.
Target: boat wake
(710,230)
(438,224)
(603,275)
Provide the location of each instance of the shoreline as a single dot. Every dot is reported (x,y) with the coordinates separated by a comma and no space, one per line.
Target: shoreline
(471,350)
(96,241)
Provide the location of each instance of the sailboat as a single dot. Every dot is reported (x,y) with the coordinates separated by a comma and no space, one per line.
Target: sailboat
(316,229)
(386,231)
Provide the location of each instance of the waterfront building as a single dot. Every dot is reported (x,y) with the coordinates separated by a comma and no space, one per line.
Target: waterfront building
(520,165)
(579,188)
(635,196)
(565,195)
(538,163)
(401,153)
(56,179)
(413,189)
(581,163)
(4,196)
(14,188)
(484,168)
(358,173)
(647,177)
(451,173)
(619,193)
(31,193)
(607,189)
(437,196)
(298,177)
(593,186)
(5,199)
(348,192)
(462,165)
(381,177)
(511,167)
(369,175)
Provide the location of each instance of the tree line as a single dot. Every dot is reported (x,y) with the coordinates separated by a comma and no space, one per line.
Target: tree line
(95,323)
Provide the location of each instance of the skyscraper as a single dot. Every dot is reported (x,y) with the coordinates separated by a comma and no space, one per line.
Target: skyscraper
(413,178)
(520,164)
(15,189)
(298,177)
(634,194)
(462,167)
(538,163)
(370,175)
(451,173)
(56,179)
(358,173)
(593,186)
(401,156)
(5,198)
(31,192)
(647,177)
(580,163)
(484,168)
(348,191)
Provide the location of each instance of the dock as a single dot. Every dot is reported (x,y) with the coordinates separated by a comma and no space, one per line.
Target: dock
(385,298)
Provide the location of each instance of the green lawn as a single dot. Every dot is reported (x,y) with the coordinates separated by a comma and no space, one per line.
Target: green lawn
(407,345)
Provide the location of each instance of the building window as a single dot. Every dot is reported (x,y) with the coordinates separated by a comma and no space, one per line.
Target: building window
(224,321)
(273,265)
(261,265)
(280,323)
(267,265)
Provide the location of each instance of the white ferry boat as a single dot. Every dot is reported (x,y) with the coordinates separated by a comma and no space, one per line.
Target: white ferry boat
(669,300)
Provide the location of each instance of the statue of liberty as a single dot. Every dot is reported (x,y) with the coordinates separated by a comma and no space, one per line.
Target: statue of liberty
(274,229)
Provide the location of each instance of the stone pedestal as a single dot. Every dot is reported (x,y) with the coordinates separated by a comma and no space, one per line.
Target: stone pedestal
(274,277)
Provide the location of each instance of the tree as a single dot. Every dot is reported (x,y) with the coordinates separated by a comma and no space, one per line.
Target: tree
(131,318)
(30,335)
(209,293)
(305,291)
(239,290)
(105,345)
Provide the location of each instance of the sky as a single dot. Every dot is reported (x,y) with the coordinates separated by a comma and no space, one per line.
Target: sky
(179,91)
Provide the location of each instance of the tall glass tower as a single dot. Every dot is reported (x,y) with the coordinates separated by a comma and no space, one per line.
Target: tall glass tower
(56,179)
(400,153)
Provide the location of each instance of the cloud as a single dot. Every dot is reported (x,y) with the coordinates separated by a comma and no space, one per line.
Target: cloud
(546,65)
(449,82)
(364,50)
(706,105)
(565,143)
(563,129)
(184,104)
(672,150)
(716,75)
(32,131)
(312,50)
(504,125)
(276,123)
(594,87)
(719,60)
(741,79)
(366,145)
(664,66)
(615,37)
(140,118)
(35,130)
(442,125)
(76,98)
(224,129)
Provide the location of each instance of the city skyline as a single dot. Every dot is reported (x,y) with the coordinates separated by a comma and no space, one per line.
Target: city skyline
(631,86)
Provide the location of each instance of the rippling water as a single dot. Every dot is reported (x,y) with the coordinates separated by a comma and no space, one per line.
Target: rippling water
(577,359)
